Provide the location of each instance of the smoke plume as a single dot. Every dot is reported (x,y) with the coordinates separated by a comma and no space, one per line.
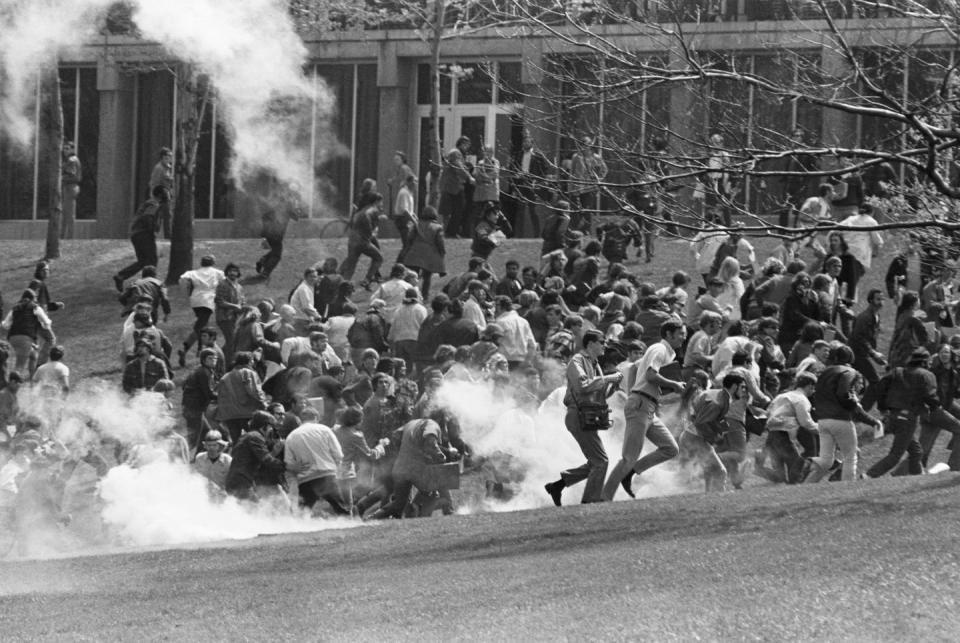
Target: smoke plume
(249,50)
(524,448)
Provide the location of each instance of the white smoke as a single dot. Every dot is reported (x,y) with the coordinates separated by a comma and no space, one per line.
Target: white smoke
(532,447)
(32,33)
(155,502)
(249,50)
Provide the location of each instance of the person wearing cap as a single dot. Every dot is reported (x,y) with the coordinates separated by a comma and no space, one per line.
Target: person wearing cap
(905,393)
(144,370)
(405,328)
(555,228)
(239,396)
(362,239)
(368,331)
(213,463)
(517,343)
(586,383)
(255,465)
(201,286)
(199,391)
(836,399)
(640,411)
(392,292)
(25,323)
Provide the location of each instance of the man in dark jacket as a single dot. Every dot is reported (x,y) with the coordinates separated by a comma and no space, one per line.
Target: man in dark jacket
(368,331)
(456,330)
(838,406)
(420,445)
(144,370)
(143,236)
(255,466)
(905,393)
(199,390)
(709,424)
(863,342)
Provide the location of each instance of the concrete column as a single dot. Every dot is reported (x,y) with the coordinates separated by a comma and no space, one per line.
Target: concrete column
(397,122)
(838,128)
(115,151)
(540,113)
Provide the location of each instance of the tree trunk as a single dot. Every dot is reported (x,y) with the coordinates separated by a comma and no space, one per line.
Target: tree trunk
(436,149)
(53,143)
(192,104)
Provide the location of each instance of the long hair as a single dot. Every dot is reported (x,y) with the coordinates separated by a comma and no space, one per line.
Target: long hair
(699,380)
(907,301)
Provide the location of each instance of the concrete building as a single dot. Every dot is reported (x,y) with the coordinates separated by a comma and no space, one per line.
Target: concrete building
(119,99)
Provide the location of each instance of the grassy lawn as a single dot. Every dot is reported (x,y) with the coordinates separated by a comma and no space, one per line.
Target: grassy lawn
(865,561)
(89,327)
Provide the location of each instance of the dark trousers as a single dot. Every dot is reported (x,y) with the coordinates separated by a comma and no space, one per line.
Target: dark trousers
(865,367)
(594,470)
(165,214)
(326,488)
(271,259)
(145,247)
(784,456)
(402,486)
(235,428)
(810,442)
(903,425)
(527,211)
(356,249)
(228,328)
(195,432)
(202,316)
(453,209)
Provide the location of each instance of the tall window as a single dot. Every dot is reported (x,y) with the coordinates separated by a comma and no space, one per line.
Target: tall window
(344,139)
(23,170)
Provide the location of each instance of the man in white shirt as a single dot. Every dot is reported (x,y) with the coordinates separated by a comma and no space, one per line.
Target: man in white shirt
(861,245)
(54,375)
(317,342)
(201,285)
(641,408)
(406,327)
(212,463)
(704,248)
(302,301)
(471,306)
(518,344)
(392,292)
(786,414)
(313,453)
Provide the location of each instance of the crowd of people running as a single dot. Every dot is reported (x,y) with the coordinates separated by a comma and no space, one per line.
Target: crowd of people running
(331,391)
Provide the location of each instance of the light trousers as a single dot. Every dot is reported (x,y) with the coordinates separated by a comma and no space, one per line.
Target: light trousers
(836,435)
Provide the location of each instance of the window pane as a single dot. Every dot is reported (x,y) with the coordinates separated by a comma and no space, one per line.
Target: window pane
(476,86)
(88,141)
(510,89)
(16,180)
(423,86)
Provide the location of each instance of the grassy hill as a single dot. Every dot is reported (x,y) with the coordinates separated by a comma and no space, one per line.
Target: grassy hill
(867,561)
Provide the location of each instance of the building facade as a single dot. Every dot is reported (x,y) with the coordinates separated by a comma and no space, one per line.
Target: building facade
(119,103)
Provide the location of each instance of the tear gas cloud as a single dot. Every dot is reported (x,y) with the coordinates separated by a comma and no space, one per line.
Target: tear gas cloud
(154,503)
(249,50)
(526,448)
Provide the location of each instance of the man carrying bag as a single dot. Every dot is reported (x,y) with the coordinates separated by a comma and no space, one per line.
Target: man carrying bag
(587,413)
